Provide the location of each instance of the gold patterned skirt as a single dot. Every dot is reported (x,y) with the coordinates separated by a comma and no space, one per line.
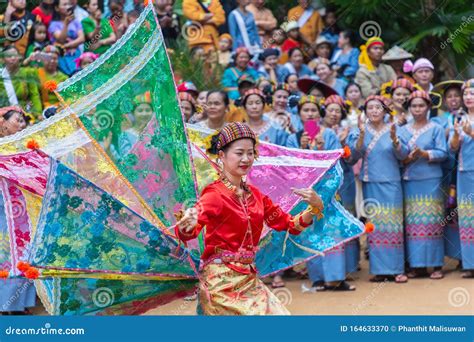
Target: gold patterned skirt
(224,291)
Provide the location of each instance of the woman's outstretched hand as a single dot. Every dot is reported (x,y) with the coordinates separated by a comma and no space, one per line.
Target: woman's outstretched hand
(310,196)
(188,221)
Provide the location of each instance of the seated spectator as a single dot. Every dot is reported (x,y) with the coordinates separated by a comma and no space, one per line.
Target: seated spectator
(309,21)
(79,12)
(50,72)
(331,30)
(128,5)
(97,30)
(44,11)
(293,37)
(296,64)
(169,21)
(346,59)
(243,29)
(317,89)
(67,31)
(225,49)
(395,57)
(422,71)
(372,72)
(13,119)
(217,107)
(323,50)
(232,74)
(85,59)
(327,76)
(37,42)
(19,85)
(132,16)
(187,104)
(118,17)
(20,23)
(208,15)
(270,68)
(265,20)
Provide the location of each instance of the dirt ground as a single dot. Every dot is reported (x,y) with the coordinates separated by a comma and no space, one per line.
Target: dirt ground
(449,296)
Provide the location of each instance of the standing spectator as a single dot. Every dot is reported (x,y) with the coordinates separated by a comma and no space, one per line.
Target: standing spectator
(16,24)
(225,49)
(67,31)
(44,11)
(381,149)
(372,73)
(279,111)
(395,57)
(231,76)
(296,64)
(243,29)
(462,141)
(209,15)
(97,30)
(422,179)
(309,21)
(19,85)
(400,93)
(354,99)
(265,20)
(270,69)
(50,72)
(346,59)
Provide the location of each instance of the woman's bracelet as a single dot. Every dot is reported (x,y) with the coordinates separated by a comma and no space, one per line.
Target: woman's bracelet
(315,211)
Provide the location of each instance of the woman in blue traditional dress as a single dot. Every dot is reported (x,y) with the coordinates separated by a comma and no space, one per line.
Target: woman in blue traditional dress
(462,141)
(17,294)
(328,272)
(422,187)
(452,101)
(381,149)
(335,112)
(231,76)
(265,128)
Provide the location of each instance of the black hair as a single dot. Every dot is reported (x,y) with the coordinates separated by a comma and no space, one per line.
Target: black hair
(289,75)
(56,15)
(10,113)
(215,139)
(223,95)
(292,51)
(35,26)
(244,100)
(351,35)
(350,84)
(8,48)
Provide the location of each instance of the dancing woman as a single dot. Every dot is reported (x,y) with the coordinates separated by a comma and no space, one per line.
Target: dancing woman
(233,214)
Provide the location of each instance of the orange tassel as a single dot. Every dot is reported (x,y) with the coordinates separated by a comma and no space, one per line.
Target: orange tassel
(347,152)
(369,227)
(32,144)
(50,85)
(23,266)
(32,273)
(4,274)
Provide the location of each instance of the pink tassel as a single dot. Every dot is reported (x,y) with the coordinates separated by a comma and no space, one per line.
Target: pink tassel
(407,66)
